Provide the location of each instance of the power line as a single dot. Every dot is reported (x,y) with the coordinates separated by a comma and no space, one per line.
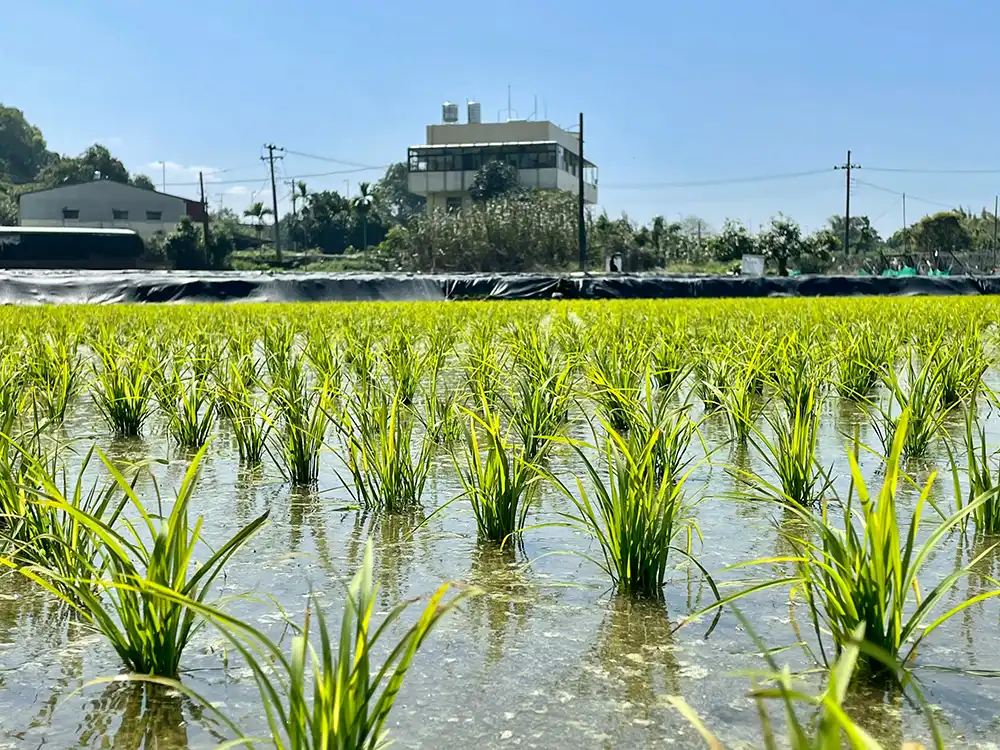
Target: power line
(334,161)
(899,193)
(289,177)
(904,170)
(726,181)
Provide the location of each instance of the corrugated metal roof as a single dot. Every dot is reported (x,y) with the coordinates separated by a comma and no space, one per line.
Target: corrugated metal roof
(66,230)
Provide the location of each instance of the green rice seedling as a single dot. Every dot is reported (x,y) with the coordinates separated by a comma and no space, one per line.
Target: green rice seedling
(404,365)
(713,373)
(279,350)
(539,407)
(923,401)
(670,357)
(793,456)
(335,693)
(502,484)
(304,419)
(828,724)
(378,435)
(983,475)
(192,415)
(670,430)
(866,356)
(800,373)
(484,363)
(961,365)
(613,373)
(247,415)
(55,371)
(867,573)
(119,596)
(41,535)
(443,418)
(742,399)
(321,352)
(634,515)
(123,389)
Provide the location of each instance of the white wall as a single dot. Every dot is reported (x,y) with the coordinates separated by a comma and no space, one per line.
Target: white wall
(96,201)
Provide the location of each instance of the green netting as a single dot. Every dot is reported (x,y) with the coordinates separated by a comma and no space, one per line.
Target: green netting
(904,271)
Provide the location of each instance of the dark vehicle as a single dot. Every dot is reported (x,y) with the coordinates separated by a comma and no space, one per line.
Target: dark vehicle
(69,247)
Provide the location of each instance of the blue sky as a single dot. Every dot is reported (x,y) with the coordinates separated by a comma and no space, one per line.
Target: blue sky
(672,92)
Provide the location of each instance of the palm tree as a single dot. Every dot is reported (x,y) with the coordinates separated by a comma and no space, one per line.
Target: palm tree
(362,205)
(258,211)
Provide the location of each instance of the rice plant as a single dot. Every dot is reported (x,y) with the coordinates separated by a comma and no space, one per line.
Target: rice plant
(123,389)
(42,535)
(192,415)
(922,399)
(304,418)
(334,693)
(828,725)
(741,398)
(55,371)
(539,407)
(615,378)
(118,595)
(983,475)
(866,356)
(866,574)
(378,436)
(792,455)
(961,365)
(634,515)
(500,485)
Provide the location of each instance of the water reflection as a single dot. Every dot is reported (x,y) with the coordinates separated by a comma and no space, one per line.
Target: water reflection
(393,537)
(634,655)
(506,602)
(150,717)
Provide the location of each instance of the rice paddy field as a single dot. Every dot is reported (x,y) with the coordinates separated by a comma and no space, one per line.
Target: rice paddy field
(697,523)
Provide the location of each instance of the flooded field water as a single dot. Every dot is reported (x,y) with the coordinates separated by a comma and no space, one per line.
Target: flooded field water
(548,657)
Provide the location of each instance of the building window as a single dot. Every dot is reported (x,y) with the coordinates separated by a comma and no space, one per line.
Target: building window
(71,213)
(453,203)
(154,216)
(118,215)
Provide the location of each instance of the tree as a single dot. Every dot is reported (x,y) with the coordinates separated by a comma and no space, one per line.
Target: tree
(732,243)
(23,152)
(495,179)
(326,222)
(864,237)
(8,209)
(944,231)
(95,160)
(362,206)
(257,211)
(393,195)
(141,181)
(184,248)
(781,242)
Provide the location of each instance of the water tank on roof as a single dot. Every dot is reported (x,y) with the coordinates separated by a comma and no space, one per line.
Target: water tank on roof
(475,113)
(449,113)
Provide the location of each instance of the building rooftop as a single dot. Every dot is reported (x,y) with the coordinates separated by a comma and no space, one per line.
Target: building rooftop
(65,230)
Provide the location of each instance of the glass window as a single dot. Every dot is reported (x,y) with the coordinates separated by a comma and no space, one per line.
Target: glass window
(154,215)
(119,215)
(71,213)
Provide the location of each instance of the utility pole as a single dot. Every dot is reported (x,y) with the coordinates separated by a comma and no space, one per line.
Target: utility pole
(906,229)
(847,203)
(996,206)
(204,209)
(291,184)
(163,183)
(271,148)
(581,213)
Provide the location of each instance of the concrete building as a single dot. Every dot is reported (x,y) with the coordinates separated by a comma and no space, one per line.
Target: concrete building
(545,155)
(103,203)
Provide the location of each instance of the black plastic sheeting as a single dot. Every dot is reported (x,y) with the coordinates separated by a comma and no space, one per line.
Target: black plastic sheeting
(55,287)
